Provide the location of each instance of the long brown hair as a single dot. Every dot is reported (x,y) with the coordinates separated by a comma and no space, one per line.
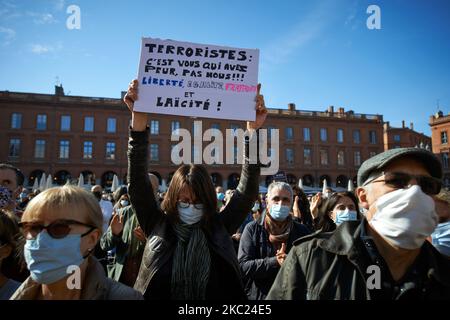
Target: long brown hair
(198,180)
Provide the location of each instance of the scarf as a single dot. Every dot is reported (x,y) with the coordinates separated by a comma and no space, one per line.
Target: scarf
(191,263)
(278,230)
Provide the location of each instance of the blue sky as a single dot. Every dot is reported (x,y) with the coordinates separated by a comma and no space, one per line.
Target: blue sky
(313,53)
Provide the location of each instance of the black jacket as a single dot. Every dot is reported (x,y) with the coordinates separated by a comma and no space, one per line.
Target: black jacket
(257,258)
(155,271)
(333,265)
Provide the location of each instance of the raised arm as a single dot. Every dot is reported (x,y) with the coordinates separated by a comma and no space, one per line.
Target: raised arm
(140,190)
(246,193)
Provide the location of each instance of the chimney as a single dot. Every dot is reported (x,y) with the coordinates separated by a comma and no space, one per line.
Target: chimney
(403,123)
(411,126)
(386,126)
(291,106)
(59,90)
(341,110)
(330,109)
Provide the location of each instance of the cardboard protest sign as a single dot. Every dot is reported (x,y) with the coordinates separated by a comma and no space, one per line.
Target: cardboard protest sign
(196,80)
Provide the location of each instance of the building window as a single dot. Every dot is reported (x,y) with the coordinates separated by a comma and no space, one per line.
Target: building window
(154,152)
(16,121)
(356,136)
(289,133)
(87,150)
(340,158)
(307,156)
(323,134)
(445,160)
(175,125)
(372,137)
(111,125)
(323,157)
(88,124)
(290,156)
(215,126)
(357,158)
(444,138)
(41,123)
(397,138)
(14,147)
(154,127)
(64,146)
(340,135)
(110,150)
(65,123)
(39,149)
(306,134)
(372,154)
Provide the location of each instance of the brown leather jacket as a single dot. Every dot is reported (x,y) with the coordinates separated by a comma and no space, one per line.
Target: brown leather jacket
(161,241)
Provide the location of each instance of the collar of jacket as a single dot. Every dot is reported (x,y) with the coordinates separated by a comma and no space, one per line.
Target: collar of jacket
(343,241)
(95,284)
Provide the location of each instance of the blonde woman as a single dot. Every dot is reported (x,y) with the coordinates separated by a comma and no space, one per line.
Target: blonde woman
(61,227)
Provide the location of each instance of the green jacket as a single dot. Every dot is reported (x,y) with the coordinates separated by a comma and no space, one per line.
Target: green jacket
(121,243)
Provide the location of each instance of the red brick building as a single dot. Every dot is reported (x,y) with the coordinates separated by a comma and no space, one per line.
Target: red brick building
(68,135)
(404,137)
(440,130)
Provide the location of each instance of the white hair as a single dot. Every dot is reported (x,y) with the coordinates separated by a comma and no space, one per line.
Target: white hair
(279,185)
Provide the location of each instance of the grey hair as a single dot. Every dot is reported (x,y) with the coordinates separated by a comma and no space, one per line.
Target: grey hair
(279,185)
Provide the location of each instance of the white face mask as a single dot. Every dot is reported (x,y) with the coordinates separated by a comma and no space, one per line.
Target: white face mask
(405,217)
(190,214)
(123,203)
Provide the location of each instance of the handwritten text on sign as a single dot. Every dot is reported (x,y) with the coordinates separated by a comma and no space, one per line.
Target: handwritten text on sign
(197,80)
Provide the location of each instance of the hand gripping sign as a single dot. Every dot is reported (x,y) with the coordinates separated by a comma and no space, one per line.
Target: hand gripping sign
(196,80)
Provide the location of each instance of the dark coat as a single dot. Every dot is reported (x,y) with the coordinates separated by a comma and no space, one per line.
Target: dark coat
(333,266)
(257,258)
(155,271)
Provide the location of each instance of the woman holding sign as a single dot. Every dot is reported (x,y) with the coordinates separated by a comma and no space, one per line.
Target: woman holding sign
(189,253)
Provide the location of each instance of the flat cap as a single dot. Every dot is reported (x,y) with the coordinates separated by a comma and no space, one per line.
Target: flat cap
(381,160)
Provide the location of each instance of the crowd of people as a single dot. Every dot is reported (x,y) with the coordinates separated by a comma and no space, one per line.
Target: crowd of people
(198,241)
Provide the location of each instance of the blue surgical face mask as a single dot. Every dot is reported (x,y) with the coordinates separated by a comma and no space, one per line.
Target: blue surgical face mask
(220,196)
(345,215)
(190,214)
(279,212)
(441,238)
(48,258)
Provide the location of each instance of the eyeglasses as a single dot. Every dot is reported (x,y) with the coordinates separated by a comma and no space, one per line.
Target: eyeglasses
(57,229)
(185,205)
(401,180)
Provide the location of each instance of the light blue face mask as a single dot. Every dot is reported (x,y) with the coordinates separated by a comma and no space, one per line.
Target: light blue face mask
(279,212)
(345,215)
(48,258)
(441,238)
(220,196)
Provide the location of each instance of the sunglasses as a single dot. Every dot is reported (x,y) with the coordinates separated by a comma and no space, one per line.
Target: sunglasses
(400,180)
(57,229)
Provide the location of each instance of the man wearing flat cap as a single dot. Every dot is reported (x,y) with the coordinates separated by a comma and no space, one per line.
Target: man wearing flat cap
(384,256)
